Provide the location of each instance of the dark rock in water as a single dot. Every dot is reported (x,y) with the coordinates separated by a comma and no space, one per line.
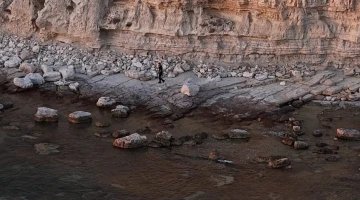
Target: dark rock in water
(201,135)
(288,141)
(214,154)
(297,103)
(320,144)
(220,136)
(120,133)
(334,147)
(198,140)
(176,142)
(1,107)
(102,124)
(7,104)
(80,117)
(317,133)
(301,145)
(348,134)
(332,158)
(286,109)
(190,143)
(163,138)
(284,117)
(44,114)
(154,144)
(300,133)
(144,130)
(185,138)
(102,133)
(324,151)
(239,134)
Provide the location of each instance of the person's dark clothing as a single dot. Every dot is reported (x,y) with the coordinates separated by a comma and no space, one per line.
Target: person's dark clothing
(161,74)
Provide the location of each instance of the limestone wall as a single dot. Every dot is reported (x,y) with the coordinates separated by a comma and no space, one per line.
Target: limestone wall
(319,32)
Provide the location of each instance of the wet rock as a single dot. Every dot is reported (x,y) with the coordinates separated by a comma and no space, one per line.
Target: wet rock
(176,142)
(288,141)
(120,111)
(7,104)
(214,154)
(52,76)
(321,144)
(105,102)
(23,83)
(185,138)
(278,163)
(220,136)
(167,122)
(332,158)
(102,133)
(201,135)
(163,138)
(348,134)
(46,148)
(102,124)
(239,134)
(154,144)
(324,151)
(80,117)
(297,128)
(35,78)
(297,103)
(317,133)
(301,145)
(44,114)
(190,88)
(120,133)
(27,68)
(132,141)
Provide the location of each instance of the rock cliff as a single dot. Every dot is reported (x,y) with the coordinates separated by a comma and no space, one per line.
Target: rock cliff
(317,32)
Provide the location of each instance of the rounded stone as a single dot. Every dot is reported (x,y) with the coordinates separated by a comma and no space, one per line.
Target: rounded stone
(80,117)
(44,114)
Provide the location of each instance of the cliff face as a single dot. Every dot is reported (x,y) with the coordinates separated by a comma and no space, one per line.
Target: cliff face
(319,32)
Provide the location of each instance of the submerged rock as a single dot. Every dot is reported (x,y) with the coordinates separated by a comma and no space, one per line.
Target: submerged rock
(239,134)
(46,148)
(105,102)
(102,133)
(102,124)
(317,133)
(120,111)
(80,117)
(348,134)
(301,145)
(44,114)
(132,141)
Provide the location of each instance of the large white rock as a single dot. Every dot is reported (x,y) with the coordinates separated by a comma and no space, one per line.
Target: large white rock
(105,102)
(178,69)
(52,76)
(67,73)
(190,88)
(36,78)
(44,114)
(120,111)
(74,86)
(132,141)
(12,62)
(23,82)
(80,117)
(36,49)
(27,68)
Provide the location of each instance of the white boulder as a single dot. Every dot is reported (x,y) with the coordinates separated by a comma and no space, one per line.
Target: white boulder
(23,82)
(105,102)
(190,88)
(36,78)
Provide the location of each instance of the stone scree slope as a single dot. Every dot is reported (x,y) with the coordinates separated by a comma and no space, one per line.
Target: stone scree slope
(232,31)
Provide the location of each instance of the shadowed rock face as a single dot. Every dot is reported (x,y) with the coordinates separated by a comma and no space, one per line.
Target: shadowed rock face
(257,31)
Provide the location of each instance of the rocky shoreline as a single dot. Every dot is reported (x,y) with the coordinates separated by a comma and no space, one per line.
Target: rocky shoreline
(238,93)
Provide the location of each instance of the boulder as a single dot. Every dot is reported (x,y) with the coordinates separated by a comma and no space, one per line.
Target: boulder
(46,69)
(67,73)
(105,102)
(248,74)
(178,69)
(348,134)
(163,138)
(44,114)
(26,54)
(120,111)
(74,86)
(23,82)
(80,117)
(35,78)
(27,68)
(120,133)
(12,62)
(132,141)
(52,76)
(190,88)
(239,134)
(279,163)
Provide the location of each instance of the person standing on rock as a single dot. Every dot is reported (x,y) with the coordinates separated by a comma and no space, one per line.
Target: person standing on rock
(160,68)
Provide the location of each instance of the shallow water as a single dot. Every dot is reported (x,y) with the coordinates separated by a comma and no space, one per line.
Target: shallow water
(88,167)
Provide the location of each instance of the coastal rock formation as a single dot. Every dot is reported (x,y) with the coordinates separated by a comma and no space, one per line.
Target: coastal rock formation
(232,31)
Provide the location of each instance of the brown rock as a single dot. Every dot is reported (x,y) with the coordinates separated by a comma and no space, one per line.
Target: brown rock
(348,134)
